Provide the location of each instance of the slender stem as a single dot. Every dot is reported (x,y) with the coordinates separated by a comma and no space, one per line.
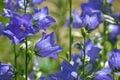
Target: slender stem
(70,30)
(84,78)
(26,58)
(26,44)
(104,41)
(15,61)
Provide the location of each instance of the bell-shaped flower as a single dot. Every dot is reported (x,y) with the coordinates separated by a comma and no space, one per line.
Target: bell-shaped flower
(67,72)
(11,4)
(47,46)
(103,75)
(91,18)
(114,60)
(6,72)
(92,50)
(42,19)
(19,28)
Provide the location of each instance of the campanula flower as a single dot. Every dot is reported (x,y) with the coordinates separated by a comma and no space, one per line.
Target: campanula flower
(19,28)
(92,50)
(103,75)
(47,46)
(90,18)
(42,19)
(114,31)
(77,22)
(114,60)
(11,4)
(67,72)
(6,72)
(99,5)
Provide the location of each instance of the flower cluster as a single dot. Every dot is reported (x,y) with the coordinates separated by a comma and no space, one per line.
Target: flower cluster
(95,59)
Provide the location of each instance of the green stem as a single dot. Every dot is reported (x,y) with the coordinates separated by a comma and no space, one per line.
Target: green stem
(26,58)
(70,30)
(84,78)
(15,61)
(26,45)
(104,41)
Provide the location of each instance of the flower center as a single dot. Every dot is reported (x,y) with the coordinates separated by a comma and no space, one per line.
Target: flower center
(22,28)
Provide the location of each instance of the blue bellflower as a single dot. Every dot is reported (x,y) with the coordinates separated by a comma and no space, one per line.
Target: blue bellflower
(67,72)
(19,28)
(6,72)
(99,5)
(92,50)
(114,31)
(11,4)
(91,18)
(77,22)
(114,60)
(42,18)
(47,46)
(103,75)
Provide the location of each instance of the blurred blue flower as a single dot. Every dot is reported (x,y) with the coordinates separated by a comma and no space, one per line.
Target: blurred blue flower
(6,72)
(114,60)
(47,46)
(67,72)
(38,2)
(43,20)
(103,75)
(114,31)
(117,16)
(11,4)
(76,60)
(92,50)
(19,28)
(2,26)
(31,76)
(77,22)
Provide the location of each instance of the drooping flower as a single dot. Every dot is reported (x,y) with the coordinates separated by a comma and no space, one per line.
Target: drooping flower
(92,50)
(67,72)
(6,72)
(43,20)
(77,22)
(103,75)
(114,60)
(47,46)
(19,28)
